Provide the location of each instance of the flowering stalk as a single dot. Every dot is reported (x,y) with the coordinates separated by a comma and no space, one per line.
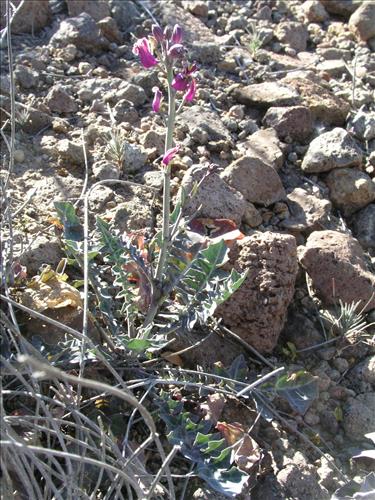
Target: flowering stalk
(167,176)
(180,79)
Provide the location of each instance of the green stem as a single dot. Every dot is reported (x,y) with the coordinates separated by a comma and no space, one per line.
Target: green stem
(166,234)
(167,178)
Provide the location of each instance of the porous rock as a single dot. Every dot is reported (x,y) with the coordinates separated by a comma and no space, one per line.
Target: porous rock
(293,34)
(32,16)
(257,181)
(97,9)
(334,149)
(80,31)
(363,225)
(336,266)
(307,212)
(265,145)
(314,11)
(257,311)
(362,21)
(350,189)
(323,104)
(214,198)
(295,122)
(196,117)
(342,8)
(41,251)
(59,101)
(301,481)
(359,416)
(266,94)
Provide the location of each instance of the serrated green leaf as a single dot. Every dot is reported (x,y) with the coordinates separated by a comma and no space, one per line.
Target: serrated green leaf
(73,229)
(299,388)
(213,445)
(227,482)
(138,345)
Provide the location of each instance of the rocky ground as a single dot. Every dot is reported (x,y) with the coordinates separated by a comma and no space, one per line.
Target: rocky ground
(285,111)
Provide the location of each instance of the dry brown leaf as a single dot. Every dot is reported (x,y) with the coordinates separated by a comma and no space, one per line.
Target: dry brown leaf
(173,358)
(247,452)
(51,293)
(214,407)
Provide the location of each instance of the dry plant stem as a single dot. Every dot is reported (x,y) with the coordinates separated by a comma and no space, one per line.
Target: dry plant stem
(167,177)
(247,346)
(12,96)
(165,464)
(43,370)
(73,456)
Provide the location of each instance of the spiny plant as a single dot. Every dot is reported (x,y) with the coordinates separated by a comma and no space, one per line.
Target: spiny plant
(165,283)
(346,319)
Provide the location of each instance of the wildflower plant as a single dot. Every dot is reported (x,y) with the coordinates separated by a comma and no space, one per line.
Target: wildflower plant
(166,283)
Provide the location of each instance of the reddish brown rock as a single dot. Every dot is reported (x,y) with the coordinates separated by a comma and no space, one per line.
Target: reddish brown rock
(293,34)
(256,180)
(214,198)
(323,104)
(97,9)
(257,311)
(294,122)
(31,17)
(362,22)
(337,268)
(350,189)
(265,145)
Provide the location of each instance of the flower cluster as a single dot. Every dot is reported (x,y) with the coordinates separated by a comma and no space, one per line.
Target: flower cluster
(169,49)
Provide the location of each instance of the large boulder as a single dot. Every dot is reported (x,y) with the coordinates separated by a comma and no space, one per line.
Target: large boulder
(256,180)
(336,266)
(334,149)
(257,311)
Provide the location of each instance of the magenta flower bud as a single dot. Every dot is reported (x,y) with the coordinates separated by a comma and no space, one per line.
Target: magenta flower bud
(170,154)
(176,51)
(158,96)
(190,94)
(157,33)
(141,48)
(180,82)
(176,34)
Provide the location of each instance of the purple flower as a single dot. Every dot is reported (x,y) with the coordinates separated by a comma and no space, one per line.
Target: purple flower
(176,34)
(158,96)
(190,94)
(141,48)
(170,154)
(184,81)
(157,33)
(180,82)
(176,51)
